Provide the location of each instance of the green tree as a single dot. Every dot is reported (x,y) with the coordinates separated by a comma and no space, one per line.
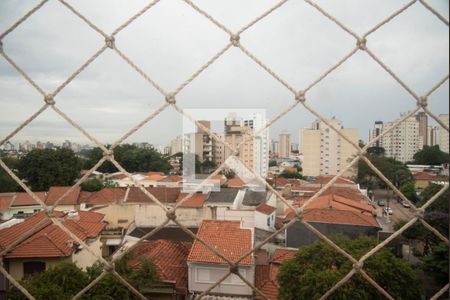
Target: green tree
(45,168)
(58,283)
(318,267)
(380,151)
(132,158)
(7,184)
(273,163)
(397,172)
(92,185)
(436,264)
(409,190)
(291,175)
(431,155)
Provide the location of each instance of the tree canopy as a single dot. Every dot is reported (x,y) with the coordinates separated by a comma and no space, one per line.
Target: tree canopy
(43,168)
(431,155)
(132,158)
(65,280)
(7,184)
(396,171)
(318,267)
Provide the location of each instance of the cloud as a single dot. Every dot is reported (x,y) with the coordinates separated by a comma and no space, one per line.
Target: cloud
(171,41)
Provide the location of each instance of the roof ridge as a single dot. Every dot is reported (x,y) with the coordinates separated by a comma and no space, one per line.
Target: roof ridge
(48,238)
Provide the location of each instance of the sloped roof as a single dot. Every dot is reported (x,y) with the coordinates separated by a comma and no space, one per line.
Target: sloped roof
(281,255)
(5,200)
(24,199)
(163,194)
(254,198)
(327,179)
(266,282)
(49,240)
(169,257)
(225,195)
(55,192)
(265,209)
(171,178)
(104,196)
(195,201)
(227,237)
(235,182)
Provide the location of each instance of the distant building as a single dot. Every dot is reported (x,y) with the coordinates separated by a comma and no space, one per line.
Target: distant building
(201,144)
(375,132)
(403,141)
(275,148)
(325,151)
(443,134)
(257,122)
(176,145)
(285,145)
(422,118)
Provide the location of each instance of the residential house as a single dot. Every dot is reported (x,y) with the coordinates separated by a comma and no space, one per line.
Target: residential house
(68,203)
(19,205)
(424,179)
(206,268)
(332,214)
(265,217)
(49,244)
(170,260)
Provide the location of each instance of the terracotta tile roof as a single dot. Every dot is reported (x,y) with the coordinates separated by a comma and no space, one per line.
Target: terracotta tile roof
(326,179)
(163,194)
(156,176)
(338,202)
(265,209)
(196,201)
(281,255)
(235,182)
(172,178)
(169,257)
(429,176)
(49,240)
(104,196)
(266,282)
(5,200)
(24,199)
(227,237)
(334,216)
(55,192)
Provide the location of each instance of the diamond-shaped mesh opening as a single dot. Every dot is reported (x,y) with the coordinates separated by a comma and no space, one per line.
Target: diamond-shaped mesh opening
(171,99)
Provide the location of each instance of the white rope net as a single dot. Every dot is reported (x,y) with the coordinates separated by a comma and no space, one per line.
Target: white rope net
(299,98)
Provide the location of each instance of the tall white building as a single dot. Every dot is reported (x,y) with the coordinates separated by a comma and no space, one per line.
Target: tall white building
(261,143)
(325,152)
(275,148)
(443,134)
(404,141)
(176,145)
(285,145)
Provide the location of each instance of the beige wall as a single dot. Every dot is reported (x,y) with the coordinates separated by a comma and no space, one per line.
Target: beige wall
(311,152)
(118,215)
(85,258)
(16,265)
(348,152)
(153,215)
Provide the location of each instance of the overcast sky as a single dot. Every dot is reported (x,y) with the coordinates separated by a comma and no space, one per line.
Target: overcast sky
(171,41)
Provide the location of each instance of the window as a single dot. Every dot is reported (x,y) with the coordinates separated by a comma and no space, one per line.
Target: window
(31,267)
(268,222)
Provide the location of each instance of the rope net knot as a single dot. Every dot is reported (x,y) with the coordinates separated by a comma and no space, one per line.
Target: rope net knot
(235,40)
(49,99)
(110,42)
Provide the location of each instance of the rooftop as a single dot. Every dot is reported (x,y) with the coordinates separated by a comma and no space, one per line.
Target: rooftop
(227,237)
(163,194)
(265,209)
(56,192)
(226,195)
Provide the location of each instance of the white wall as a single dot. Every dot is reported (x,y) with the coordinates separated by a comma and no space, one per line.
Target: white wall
(203,276)
(246,217)
(85,258)
(261,221)
(153,215)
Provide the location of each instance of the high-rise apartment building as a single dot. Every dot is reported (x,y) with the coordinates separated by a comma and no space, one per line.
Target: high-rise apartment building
(257,122)
(274,148)
(285,145)
(375,132)
(403,141)
(325,152)
(236,134)
(422,118)
(443,134)
(201,143)
(176,145)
